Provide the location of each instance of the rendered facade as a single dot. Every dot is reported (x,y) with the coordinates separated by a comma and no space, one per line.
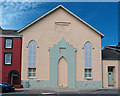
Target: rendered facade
(60,50)
(111,59)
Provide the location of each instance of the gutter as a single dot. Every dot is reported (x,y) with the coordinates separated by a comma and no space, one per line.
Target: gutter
(11,36)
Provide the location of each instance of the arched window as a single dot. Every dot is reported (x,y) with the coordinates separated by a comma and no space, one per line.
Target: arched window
(32,59)
(88,59)
(88,55)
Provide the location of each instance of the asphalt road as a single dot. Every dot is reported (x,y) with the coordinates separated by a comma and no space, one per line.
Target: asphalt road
(42,92)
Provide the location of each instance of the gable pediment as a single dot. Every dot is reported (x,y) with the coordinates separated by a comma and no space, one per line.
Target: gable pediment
(62,7)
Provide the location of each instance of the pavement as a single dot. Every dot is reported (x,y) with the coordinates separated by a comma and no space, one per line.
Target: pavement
(62,92)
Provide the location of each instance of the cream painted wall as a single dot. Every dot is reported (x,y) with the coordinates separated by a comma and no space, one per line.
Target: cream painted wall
(62,72)
(107,63)
(45,35)
(119,74)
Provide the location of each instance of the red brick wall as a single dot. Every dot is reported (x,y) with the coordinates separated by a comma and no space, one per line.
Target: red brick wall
(16,58)
(0,60)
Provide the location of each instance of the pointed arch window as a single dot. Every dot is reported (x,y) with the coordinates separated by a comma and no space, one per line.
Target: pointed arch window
(88,59)
(88,55)
(32,59)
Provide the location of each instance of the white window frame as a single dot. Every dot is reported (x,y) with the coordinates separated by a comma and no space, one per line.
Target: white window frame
(32,54)
(88,72)
(31,73)
(5,59)
(88,55)
(32,58)
(7,42)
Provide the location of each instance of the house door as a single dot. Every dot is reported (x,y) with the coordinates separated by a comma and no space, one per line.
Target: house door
(13,77)
(62,72)
(110,76)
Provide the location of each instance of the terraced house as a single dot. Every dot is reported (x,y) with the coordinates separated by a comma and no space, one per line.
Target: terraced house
(10,57)
(111,61)
(60,50)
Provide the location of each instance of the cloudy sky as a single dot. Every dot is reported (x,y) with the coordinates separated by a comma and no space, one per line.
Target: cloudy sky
(101,15)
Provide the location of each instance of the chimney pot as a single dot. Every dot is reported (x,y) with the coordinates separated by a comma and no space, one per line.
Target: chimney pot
(118,43)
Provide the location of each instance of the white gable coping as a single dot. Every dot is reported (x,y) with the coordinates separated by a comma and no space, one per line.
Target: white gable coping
(102,35)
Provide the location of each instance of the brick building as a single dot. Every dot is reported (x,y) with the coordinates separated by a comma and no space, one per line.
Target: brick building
(11,57)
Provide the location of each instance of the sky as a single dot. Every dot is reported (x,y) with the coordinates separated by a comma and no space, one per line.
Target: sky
(103,16)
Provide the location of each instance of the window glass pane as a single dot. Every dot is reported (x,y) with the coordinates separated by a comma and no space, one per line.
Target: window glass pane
(32,54)
(89,70)
(34,74)
(34,57)
(30,74)
(85,75)
(9,40)
(88,55)
(8,61)
(34,70)
(89,75)
(29,62)
(30,70)
(7,58)
(85,70)
(8,43)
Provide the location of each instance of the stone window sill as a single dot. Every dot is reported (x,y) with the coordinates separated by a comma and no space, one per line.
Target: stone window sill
(88,78)
(32,77)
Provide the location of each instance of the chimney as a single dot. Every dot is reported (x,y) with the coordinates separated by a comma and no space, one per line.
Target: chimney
(118,44)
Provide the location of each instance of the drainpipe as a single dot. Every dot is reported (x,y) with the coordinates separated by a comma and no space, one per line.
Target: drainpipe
(102,73)
(102,68)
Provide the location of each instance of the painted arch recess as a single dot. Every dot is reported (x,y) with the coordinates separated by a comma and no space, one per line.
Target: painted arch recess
(62,49)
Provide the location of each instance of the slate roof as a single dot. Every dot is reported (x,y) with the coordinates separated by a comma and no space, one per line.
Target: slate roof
(8,32)
(111,52)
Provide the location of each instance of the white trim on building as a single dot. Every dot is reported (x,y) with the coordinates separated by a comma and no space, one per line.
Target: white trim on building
(10,35)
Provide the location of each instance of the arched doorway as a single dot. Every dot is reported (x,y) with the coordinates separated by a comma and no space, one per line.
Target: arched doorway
(13,77)
(62,72)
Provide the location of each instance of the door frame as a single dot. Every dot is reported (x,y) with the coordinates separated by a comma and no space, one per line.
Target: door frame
(9,76)
(58,73)
(111,70)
